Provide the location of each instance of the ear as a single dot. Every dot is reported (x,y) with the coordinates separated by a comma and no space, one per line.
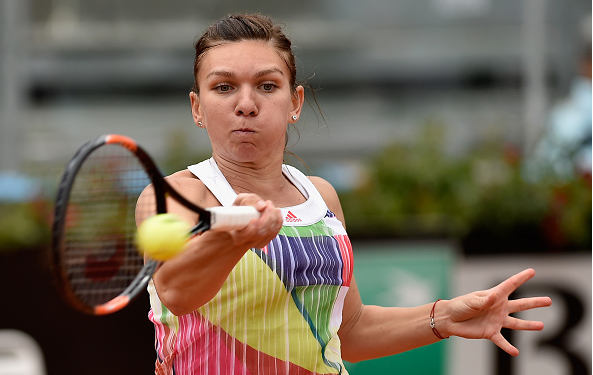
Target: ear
(194,99)
(298,98)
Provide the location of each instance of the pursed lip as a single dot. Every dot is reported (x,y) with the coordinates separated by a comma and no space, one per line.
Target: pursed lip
(244,131)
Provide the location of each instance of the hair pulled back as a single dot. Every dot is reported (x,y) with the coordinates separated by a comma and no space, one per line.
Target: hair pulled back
(239,27)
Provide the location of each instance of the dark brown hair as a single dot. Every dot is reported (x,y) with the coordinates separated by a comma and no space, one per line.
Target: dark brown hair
(238,27)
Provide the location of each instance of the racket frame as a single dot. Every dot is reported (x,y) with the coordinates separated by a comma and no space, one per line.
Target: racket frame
(161,191)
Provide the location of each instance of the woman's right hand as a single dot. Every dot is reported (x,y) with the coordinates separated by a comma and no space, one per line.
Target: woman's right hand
(259,232)
(192,278)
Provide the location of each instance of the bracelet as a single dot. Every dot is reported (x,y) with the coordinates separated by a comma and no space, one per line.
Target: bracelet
(432,325)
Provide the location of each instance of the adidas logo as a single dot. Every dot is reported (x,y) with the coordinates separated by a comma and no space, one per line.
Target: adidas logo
(291,218)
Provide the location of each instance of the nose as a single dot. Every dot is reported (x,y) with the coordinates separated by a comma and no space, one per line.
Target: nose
(246,103)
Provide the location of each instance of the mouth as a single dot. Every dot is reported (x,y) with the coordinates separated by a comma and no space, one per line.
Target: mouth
(244,131)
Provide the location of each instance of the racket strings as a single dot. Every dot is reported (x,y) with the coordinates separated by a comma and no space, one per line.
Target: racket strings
(100,258)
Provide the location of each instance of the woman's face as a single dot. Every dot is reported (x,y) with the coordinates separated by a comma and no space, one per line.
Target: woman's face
(245,101)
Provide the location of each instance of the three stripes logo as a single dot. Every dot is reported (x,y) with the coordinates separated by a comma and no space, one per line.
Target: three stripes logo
(292,218)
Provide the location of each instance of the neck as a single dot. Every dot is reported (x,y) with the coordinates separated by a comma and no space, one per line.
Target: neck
(265,180)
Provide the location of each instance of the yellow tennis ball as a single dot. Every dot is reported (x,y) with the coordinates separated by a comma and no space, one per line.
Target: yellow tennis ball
(162,236)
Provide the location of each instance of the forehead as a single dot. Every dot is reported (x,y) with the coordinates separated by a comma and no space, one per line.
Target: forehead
(242,56)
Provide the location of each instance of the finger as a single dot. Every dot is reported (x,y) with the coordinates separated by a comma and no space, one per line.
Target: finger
(259,204)
(523,325)
(502,343)
(512,283)
(248,199)
(270,221)
(524,304)
(271,215)
(245,198)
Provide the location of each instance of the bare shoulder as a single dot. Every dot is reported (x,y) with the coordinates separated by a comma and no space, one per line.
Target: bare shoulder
(324,187)
(184,179)
(191,187)
(187,185)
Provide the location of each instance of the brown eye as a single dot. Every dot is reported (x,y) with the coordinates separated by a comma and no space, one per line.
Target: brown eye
(268,86)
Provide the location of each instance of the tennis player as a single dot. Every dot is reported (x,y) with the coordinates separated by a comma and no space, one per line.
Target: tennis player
(280,297)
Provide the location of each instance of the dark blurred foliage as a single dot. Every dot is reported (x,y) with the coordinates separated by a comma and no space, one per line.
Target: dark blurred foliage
(416,190)
(25,225)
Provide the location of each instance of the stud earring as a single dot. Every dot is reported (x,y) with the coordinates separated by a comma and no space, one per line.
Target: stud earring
(294,118)
(200,124)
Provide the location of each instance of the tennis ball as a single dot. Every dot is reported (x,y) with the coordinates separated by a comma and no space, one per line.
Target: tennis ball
(162,236)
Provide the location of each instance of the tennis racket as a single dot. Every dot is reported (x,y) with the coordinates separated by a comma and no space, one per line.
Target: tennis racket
(96,262)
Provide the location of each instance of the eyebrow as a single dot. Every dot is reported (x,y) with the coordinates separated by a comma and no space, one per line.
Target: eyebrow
(262,73)
(268,71)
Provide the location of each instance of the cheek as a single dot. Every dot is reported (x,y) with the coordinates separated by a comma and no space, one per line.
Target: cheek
(280,136)
(281,110)
(214,110)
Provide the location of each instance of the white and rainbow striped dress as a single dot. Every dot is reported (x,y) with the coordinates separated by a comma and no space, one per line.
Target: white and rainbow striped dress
(281,307)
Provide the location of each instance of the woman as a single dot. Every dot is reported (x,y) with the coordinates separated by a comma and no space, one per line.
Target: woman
(279,296)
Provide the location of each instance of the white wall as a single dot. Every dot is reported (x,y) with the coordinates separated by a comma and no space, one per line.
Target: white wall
(567,280)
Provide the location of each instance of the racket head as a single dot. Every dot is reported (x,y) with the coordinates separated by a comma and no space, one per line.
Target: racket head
(96,262)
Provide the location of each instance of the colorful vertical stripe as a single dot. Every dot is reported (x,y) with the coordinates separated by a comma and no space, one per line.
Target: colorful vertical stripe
(279,310)
(274,315)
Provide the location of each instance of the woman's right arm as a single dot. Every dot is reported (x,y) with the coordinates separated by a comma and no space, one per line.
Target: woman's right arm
(192,278)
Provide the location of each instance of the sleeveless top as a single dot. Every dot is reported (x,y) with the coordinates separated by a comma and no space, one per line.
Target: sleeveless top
(280,308)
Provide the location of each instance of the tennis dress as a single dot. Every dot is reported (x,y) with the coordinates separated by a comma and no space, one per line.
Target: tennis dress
(280,309)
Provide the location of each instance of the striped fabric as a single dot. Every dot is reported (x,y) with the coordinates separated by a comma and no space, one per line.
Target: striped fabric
(279,310)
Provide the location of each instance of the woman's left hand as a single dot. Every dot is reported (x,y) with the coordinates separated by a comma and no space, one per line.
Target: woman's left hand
(482,314)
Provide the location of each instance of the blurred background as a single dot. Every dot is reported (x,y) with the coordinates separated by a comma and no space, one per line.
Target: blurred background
(457,132)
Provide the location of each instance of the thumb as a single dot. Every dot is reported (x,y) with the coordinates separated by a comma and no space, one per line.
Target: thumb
(487,301)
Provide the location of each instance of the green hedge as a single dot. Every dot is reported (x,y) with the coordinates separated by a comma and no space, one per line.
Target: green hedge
(480,199)
(25,224)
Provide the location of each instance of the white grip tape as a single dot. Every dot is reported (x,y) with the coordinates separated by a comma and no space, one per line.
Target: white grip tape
(232,217)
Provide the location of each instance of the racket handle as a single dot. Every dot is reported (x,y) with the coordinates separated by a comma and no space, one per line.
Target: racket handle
(231,217)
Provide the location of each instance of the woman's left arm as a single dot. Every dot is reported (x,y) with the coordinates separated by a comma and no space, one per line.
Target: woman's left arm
(373,331)
(369,331)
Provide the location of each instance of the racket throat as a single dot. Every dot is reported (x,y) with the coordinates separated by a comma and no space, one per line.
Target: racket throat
(202,225)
